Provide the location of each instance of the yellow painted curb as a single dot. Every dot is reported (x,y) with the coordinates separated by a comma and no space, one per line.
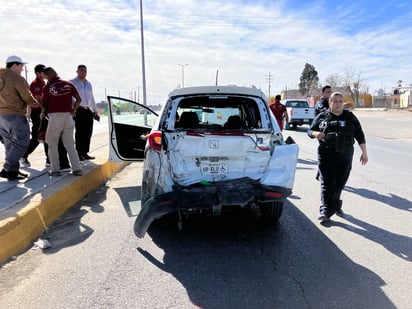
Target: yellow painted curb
(18,232)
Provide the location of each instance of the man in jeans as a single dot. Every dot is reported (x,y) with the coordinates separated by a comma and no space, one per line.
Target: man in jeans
(15,96)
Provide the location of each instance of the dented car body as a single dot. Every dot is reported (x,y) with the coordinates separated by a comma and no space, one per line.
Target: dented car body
(210,149)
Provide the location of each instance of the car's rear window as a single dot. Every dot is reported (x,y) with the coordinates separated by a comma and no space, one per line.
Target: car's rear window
(218,112)
(296,104)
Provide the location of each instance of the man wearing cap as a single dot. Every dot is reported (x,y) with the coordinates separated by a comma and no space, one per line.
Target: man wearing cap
(15,96)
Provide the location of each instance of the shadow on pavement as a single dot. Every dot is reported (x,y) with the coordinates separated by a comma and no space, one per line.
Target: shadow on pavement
(392,200)
(232,261)
(398,245)
(130,198)
(69,230)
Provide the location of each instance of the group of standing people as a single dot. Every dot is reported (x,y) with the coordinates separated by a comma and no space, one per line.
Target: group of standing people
(336,130)
(66,107)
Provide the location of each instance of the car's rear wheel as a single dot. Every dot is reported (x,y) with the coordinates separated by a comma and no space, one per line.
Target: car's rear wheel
(271,212)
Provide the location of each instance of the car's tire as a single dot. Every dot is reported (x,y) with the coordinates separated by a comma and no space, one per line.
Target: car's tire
(271,212)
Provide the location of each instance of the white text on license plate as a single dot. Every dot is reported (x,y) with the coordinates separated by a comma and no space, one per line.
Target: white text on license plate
(214,168)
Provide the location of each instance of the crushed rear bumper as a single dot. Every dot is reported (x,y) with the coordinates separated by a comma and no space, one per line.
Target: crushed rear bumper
(207,196)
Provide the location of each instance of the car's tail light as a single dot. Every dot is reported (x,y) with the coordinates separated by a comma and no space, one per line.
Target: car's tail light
(264,147)
(155,140)
(273,194)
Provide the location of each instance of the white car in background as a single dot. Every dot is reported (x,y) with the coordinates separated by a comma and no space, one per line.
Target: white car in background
(210,149)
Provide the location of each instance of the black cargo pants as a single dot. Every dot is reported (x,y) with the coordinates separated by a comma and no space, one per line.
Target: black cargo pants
(334,169)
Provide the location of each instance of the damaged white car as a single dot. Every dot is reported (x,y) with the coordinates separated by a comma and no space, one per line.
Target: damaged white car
(210,149)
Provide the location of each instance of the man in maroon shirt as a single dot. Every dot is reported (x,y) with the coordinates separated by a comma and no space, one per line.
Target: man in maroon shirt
(36,88)
(57,102)
(279,111)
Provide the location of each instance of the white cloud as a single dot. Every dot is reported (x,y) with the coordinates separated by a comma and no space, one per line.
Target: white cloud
(244,42)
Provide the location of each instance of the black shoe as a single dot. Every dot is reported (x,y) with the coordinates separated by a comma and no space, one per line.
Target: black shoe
(339,212)
(82,158)
(323,218)
(4,173)
(87,157)
(77,173)
(54,174)
(12,175)
(324,214)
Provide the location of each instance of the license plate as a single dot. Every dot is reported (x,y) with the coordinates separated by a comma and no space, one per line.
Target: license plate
(214,168)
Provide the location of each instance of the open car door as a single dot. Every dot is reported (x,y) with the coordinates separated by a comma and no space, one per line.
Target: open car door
(128,122)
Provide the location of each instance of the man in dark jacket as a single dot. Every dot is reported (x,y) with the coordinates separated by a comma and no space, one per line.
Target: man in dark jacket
(323,103)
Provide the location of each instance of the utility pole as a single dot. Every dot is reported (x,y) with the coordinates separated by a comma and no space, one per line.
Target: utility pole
(269,79)
(143,58)
(183,73)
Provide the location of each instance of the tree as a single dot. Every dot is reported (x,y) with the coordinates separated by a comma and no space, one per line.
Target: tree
(334,80)
(354,84)
(308,80)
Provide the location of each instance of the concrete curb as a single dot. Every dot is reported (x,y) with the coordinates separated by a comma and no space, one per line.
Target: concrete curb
(18,232)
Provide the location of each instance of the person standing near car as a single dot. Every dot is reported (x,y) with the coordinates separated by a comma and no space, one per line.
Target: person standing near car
(323,103)
(36,88)
(86,113)
(15,96)
(336,131)
(279,111)
(57,103)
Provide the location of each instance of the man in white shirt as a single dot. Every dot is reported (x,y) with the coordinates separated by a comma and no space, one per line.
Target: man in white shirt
(86,113)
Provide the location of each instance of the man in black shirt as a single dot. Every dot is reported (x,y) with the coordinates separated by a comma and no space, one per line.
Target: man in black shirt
(323,103)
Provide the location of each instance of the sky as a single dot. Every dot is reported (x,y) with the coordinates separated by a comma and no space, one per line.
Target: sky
(246,42)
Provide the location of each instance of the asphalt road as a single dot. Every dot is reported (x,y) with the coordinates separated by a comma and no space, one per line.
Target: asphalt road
(360,261)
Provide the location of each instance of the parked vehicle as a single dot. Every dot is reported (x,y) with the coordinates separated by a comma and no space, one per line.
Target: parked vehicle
(211,149)
(299,112)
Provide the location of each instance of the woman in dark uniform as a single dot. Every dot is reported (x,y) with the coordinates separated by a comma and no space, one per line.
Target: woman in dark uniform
(336,130)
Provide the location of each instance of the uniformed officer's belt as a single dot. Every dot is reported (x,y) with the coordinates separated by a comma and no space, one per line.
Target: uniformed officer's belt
(341,148)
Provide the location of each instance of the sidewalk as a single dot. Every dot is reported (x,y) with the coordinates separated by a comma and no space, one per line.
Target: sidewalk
(28,207)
